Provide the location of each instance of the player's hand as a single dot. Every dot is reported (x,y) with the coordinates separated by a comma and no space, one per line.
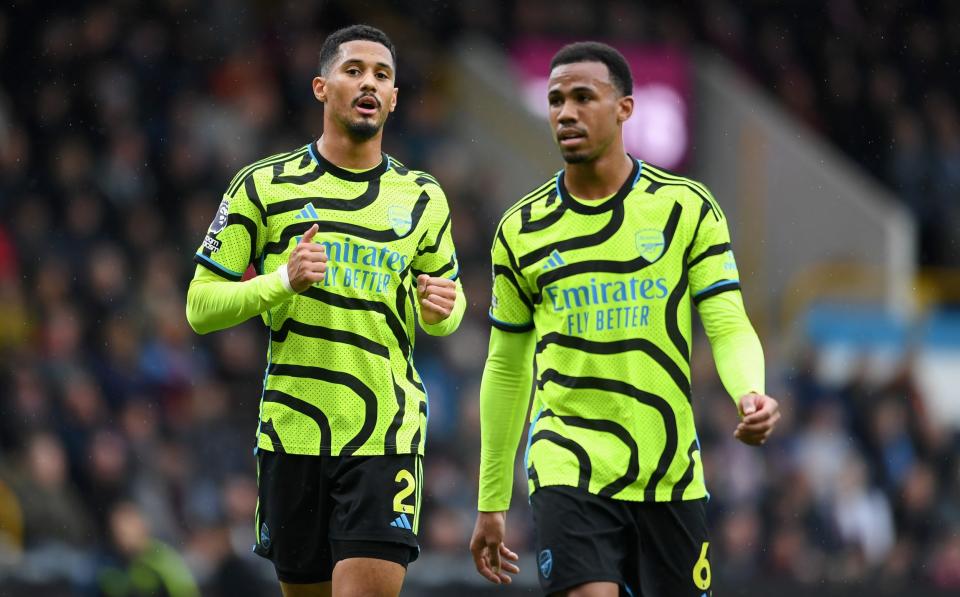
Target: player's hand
(491,557)
(437,297)
(308,262)
(760,415)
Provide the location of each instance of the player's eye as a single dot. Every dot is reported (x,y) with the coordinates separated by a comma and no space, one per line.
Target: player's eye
(555,101)
(353,71)
(382,76)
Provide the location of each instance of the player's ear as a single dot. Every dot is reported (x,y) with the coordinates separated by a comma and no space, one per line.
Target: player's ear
(320,88)
(393,99)
(624,108)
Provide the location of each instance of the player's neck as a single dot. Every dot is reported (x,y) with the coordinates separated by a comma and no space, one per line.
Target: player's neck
(600,178)
(342,151)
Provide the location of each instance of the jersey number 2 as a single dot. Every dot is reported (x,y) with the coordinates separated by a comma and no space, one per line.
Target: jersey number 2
(408,485)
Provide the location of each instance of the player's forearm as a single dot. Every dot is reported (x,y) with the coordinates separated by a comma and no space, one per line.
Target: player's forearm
(504,398)
(736,348)
(451,323)
(215,304)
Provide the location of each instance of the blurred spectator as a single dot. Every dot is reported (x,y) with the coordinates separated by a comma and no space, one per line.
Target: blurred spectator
(945,568)
(862,516)
(823,448)
(51,510)
(11,526)
(138,565)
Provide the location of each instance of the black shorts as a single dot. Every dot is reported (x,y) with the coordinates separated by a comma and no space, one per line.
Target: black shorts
(650,549)
(314,511)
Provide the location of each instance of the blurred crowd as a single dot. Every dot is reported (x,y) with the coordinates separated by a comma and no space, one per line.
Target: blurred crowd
(878,79)
(126,463)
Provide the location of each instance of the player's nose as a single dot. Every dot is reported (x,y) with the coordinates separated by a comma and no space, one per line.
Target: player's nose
(368,82)
(567,113)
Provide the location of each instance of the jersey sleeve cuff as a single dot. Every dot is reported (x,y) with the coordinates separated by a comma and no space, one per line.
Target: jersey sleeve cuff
(491,506)
(715,289)
(285,278)
(510,327)
(216,268)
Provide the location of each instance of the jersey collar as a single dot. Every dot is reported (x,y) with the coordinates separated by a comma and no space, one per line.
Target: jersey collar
(600,206)
(329,167)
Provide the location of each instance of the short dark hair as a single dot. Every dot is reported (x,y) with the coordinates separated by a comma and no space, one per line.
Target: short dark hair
(331,45)
(594,51)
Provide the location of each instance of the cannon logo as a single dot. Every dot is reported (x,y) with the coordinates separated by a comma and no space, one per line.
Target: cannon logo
(650,244)
(399,219)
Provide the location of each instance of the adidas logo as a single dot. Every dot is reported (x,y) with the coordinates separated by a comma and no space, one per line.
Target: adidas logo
(307,213)
(402,522)
(555,260)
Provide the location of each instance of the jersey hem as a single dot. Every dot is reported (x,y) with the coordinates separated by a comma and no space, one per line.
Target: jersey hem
(699,496)
(301,451)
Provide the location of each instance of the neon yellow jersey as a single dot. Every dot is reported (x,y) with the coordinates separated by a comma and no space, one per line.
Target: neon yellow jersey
(608,288)
(340,378)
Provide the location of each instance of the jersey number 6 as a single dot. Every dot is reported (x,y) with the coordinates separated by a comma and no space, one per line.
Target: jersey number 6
(701,570)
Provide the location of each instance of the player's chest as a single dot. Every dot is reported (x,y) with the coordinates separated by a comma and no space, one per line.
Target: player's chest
(635,239)
(370,246)
(608,273)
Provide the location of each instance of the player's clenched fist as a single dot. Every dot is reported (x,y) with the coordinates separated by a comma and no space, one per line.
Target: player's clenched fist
(760,416)
(437,297)
(308,262)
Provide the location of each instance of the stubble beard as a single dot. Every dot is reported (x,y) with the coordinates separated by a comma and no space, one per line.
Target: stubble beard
(363,130)
(575,157)
(581,156)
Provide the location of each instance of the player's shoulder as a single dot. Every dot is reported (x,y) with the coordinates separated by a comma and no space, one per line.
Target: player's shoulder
(420,178)
(663,182)
(414,182)
(513,216)
(301,155)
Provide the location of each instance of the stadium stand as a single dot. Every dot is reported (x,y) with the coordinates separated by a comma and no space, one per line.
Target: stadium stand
(121,124)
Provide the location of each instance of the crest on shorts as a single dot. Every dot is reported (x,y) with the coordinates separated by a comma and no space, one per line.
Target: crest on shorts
(220,220)
(650,243)
(399,219)
(545,561)
(265,536)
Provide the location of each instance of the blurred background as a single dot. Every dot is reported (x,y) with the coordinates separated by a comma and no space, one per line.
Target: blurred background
(828,131)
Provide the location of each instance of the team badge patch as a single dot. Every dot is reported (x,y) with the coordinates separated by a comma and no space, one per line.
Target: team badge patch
(220,220)
(650,244)
(265,536)
(399,219)
(545,561)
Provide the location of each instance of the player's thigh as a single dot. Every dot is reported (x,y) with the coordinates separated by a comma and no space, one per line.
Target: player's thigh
(675,549)
(367,577)
(320,589)
(581,540)
(292,518)
(376,511)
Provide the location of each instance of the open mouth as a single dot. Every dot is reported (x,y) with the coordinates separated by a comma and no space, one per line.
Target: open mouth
(367,105)
(570,137)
